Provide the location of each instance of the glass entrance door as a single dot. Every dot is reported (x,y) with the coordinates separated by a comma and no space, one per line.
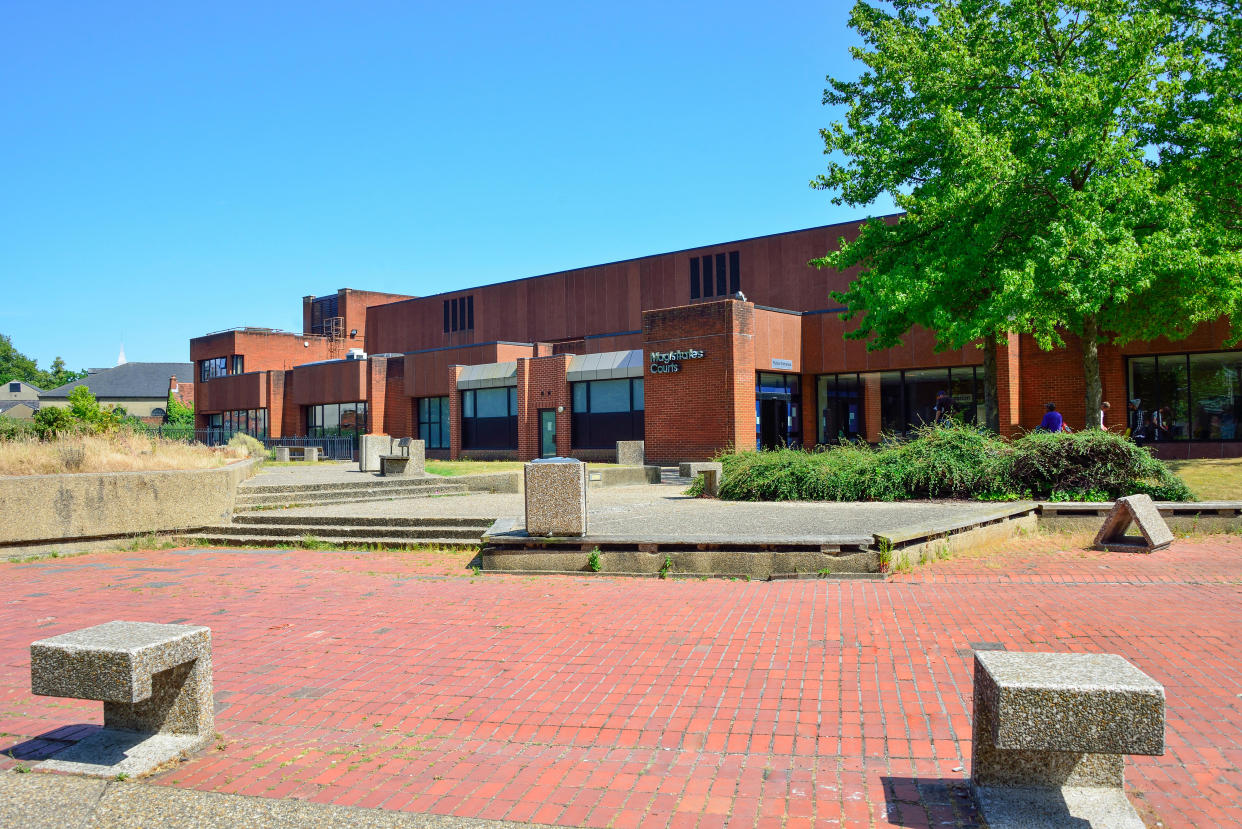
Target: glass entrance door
(777,420)
(547,433)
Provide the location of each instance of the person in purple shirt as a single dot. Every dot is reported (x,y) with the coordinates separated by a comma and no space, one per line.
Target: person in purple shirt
(1052,422)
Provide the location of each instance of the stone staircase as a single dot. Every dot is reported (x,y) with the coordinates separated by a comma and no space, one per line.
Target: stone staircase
(251,497)
(271,530)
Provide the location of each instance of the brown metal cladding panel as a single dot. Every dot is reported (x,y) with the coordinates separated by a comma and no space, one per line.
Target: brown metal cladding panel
(777,336)
(336,382)
(232,392)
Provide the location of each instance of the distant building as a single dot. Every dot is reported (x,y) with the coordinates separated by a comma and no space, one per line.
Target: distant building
(18,400)
(140,388)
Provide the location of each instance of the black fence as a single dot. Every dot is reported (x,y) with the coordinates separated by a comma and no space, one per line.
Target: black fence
(331,448)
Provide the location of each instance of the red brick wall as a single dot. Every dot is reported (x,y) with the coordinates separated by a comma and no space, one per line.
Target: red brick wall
(542,384)
(184,390)
(710,403)
(262,350)
(452,373)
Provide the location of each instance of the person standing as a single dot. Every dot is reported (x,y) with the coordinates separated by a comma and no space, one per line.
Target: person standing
(1052,422)
(1104,407)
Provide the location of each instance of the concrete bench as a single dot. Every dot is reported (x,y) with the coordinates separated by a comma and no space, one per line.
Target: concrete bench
(155,684)
(409,459)
(631,453)
(1051,731)
(309,454)
(712,472)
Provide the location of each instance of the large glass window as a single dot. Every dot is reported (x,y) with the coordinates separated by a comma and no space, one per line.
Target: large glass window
(433,422)
(251,421)
(1184,396)
(215,367)
(239,364)
(337,420)
(908,399)
(489,418)
(606,411)
(841,408)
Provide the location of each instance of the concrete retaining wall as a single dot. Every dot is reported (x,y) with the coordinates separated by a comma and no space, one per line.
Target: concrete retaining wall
(41,510)
(600,476)
(489,481)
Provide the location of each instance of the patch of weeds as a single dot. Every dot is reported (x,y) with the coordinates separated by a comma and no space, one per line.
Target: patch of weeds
(824,571)
(593,561)
(474,571)
(886,554)
(121,777)
(312,542)
(667,566)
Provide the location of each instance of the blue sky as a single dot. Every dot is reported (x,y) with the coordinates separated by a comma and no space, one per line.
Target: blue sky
(172,169)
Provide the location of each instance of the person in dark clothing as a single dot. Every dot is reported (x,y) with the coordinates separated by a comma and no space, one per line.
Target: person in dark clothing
(944,407)
(1052,422)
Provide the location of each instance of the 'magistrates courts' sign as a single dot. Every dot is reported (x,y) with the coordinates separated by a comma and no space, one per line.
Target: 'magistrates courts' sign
(667,362)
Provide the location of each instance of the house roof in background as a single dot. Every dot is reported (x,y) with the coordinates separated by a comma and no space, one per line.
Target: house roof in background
(30,386)
(128,381)
(5,405)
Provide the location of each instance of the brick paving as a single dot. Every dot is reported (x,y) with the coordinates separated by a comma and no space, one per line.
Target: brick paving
(395,681)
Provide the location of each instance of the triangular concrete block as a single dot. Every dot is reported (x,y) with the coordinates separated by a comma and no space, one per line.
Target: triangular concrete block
(1134,509)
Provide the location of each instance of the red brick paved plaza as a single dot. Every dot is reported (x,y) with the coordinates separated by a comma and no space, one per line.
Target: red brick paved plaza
(400,681)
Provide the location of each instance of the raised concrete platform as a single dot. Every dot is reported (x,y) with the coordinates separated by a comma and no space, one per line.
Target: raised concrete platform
(697,537)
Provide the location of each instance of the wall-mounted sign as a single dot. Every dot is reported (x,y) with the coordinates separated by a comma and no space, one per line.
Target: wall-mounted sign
(668,362)
(787,365)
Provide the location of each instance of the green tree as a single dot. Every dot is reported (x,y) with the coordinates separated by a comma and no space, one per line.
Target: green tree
(179,415)
(1064,166)
(17,366)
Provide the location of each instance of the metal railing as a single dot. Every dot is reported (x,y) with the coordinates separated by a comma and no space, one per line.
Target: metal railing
(331,448)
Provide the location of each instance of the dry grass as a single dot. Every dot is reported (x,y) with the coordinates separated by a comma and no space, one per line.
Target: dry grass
(120,452)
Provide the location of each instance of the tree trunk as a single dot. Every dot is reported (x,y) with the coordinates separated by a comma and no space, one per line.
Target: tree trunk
(1091,370)
(991,398)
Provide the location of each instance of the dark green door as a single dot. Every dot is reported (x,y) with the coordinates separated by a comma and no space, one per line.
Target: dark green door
(547,433)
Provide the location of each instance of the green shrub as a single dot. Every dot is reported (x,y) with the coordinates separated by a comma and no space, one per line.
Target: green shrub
(252,445)
(1091,463)
(954,461)
(13,429)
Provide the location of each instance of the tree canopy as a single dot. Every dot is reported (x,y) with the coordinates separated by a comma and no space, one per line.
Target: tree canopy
(1063,166)
(17,366)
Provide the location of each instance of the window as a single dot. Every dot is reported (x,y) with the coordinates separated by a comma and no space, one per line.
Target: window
(215,367)
(238,364)
(324,310)
(778,403)
(14,388)
(715,275)
(433,422)
(908,399)
(459,314)
(251,421)
(337,420)
(606,411)
(841,409)
(489,418)
(1184,396)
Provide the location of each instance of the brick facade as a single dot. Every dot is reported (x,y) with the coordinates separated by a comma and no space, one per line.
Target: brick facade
(542,384)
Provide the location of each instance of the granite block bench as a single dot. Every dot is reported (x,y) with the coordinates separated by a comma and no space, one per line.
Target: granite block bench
(410,459)
(310,454)
(712,472)
(1051,731)
(154,681)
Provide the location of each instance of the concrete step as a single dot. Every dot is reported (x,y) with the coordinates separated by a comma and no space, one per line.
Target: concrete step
(249,501)
(362,482)
(341,541)
(311,521)
(473,534)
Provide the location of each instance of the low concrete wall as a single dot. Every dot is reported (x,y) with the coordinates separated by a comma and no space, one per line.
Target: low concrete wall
(510,482)
(601,476)
(49,509)
(1182,517)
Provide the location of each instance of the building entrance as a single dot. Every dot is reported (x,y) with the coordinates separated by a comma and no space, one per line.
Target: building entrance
(547,433)
(777,420)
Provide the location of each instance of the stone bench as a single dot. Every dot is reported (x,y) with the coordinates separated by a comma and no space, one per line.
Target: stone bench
(712,472)
(409,459)
(154,681)
(1051,731)
(309,454)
